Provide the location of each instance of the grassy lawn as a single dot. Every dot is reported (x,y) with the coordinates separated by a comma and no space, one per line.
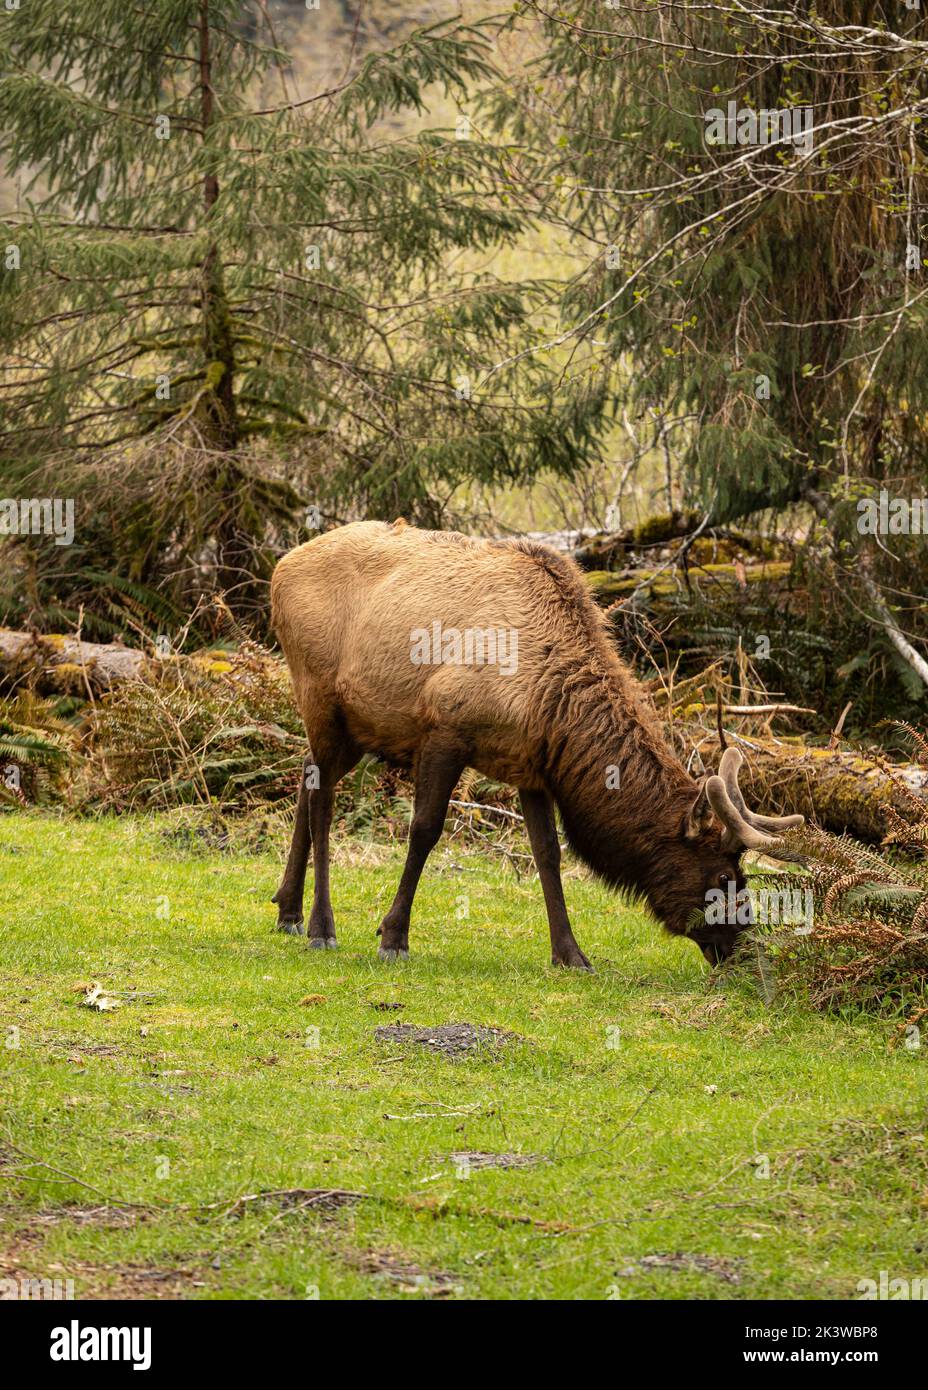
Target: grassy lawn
(666,1134)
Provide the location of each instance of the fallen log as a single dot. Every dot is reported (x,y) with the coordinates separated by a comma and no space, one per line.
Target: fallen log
(602,550)
(605,550)
(54,663)
(839,790)
(661,581)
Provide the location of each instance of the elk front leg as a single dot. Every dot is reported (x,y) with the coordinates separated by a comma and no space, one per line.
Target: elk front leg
(538,809)
(439,766)
(289,896)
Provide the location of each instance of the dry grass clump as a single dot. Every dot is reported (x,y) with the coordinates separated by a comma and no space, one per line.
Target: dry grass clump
(216,727)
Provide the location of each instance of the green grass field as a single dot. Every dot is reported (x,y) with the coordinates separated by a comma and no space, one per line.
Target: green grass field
(666,1134)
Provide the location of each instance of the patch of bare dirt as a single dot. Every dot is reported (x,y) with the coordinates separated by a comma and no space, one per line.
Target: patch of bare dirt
(476,1159)
(134,1282)
(677,1261)
(317,1199)
(404,1274)
(448,1039)
(22,1260)
(77,1049)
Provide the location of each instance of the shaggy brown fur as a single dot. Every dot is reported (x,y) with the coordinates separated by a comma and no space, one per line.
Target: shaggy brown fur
(570,724)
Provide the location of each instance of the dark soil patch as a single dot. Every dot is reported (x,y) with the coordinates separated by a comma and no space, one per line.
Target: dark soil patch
(22,1256)
(405,1275)
(486,1160)
(132,1282)
(728,1270)
(448,1039)
(318,1199)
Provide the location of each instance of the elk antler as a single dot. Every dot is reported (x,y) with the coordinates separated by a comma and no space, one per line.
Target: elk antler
(738,831)
(729,767)
(742,827)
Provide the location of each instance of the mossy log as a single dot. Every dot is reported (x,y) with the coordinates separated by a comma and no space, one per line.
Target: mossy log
(662,581)
(839,790)
(54,664)
(608,550)
(608,546)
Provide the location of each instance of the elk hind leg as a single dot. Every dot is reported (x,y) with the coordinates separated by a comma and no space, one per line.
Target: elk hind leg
(330,769)
(289,896)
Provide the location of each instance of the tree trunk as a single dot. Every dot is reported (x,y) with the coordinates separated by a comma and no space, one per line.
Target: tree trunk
(218,415)
(219,407)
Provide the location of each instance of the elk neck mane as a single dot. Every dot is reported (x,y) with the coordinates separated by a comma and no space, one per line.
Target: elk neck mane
(618,785)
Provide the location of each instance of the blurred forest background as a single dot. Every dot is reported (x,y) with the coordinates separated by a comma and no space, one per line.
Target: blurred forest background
(269,268)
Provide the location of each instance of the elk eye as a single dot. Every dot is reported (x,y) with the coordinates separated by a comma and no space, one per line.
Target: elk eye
(724,880)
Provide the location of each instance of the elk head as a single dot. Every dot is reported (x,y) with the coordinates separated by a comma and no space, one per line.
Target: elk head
(702,869)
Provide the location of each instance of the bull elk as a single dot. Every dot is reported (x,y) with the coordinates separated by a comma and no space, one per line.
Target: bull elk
(387,633)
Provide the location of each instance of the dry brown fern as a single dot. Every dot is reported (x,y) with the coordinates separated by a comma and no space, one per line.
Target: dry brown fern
(869,942)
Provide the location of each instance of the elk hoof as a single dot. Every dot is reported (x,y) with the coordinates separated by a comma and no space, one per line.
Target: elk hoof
(322,943)
(293,926)
(573,962)
(387,953)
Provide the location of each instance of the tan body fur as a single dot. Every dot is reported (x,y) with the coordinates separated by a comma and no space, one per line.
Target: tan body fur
(345,606)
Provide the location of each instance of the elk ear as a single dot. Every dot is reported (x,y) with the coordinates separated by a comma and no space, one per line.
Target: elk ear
(698,816)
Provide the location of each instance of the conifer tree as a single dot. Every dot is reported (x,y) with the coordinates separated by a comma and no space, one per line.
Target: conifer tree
(226,305)
(752,277)
(762,283)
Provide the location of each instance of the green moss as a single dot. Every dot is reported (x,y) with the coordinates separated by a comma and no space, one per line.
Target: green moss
(215,371)
(661,582)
